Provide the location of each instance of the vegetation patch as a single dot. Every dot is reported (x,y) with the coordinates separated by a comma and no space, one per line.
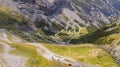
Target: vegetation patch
(90,54)
(95,37)
(111,39)
(30,52)
(1,48)
(8,17)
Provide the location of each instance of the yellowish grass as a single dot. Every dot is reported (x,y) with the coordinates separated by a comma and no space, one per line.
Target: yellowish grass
(35,60)
(87,53)
(1,48)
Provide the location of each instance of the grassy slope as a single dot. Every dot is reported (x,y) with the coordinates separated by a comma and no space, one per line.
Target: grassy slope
(13,21)
(100,36)
(102,58)
(34,60)
(8,21)
(1,48)
(28,51)
(8,18)
(86,53)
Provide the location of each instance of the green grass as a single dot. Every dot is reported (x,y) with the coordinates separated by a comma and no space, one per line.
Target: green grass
(11,21)
(1,48)
(30,52)
(113,39)
(87,53)
(95,37)
(71,34)
(15,22)
(7,16)
(74,32)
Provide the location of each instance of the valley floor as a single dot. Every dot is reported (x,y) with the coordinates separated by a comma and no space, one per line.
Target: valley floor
(15,52)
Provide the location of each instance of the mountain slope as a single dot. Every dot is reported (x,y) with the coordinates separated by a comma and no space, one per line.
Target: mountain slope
(26,24)
(56,16)
(27,54)
(15,49)
(101,36)
(107,37)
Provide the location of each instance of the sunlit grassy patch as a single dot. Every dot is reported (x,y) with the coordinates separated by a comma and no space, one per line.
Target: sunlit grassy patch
(85,53)
(8,14)
(35,60)
(10,19)
(113,39)
(1,48)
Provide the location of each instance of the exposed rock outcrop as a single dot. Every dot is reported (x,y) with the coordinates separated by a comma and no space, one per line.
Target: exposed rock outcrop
(65,14)
(59,12)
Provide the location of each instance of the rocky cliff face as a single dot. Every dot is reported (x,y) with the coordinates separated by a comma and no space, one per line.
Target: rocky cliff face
(64,16)
(66,13)
(98,12)
(65,20)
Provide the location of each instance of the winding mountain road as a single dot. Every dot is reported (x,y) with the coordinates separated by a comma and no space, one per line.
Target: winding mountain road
(59,58)
(8,60)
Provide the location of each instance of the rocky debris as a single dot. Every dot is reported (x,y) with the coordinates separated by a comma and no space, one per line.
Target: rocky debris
(53,16)
(59,12)
(9,60)
(115,52)
(42,9)
(97,12)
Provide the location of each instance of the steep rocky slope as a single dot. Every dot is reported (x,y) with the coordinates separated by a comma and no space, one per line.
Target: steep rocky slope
(58,21)
(65,14)
(98,12)
(59,17)
(17,53)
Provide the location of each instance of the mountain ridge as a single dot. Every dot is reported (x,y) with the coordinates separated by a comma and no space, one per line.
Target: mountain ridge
(86,30)
(55,13)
